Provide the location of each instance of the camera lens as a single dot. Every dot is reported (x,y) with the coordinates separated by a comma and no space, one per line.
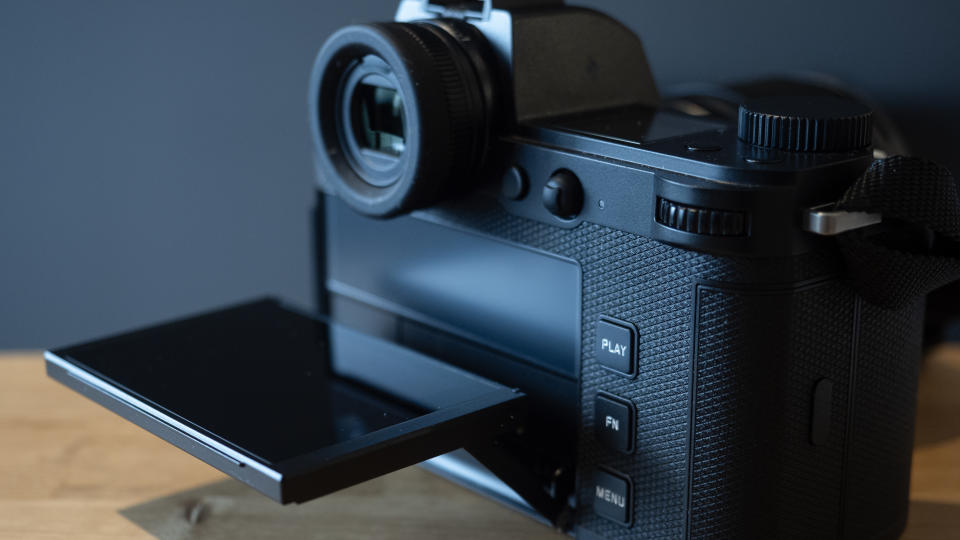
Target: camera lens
(400,113)
(377,115)
(369,124)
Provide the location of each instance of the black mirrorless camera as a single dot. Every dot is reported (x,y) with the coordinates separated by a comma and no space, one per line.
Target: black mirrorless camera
(626,321)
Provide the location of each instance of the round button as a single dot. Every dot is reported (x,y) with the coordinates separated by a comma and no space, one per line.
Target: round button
(514,184)
(563,195)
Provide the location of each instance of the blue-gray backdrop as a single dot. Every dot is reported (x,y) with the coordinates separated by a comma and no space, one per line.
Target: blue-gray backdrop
(154,156)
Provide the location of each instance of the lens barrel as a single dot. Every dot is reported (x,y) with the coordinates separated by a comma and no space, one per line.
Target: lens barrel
(400,113)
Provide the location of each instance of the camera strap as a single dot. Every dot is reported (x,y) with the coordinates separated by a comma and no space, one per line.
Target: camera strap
(917,249)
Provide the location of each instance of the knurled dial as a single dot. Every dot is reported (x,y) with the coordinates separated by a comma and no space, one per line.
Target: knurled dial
(806,124)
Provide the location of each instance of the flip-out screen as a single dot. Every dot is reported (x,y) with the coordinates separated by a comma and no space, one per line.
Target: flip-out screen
(291,405)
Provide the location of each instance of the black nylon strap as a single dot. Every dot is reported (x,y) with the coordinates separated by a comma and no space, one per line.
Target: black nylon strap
(892,265)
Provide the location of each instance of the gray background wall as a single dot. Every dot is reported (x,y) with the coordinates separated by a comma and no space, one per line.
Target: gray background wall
(154,156)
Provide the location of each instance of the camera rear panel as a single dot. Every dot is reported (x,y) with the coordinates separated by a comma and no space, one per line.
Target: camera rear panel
(729,355)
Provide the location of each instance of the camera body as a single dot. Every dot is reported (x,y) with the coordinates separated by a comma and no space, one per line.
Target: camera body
(499,189)
(623,319)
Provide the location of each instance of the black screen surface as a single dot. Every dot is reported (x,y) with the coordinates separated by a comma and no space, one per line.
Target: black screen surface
(257,377)
(293,406)
(504,296)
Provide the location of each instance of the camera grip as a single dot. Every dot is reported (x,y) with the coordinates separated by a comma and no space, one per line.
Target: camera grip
(759,468)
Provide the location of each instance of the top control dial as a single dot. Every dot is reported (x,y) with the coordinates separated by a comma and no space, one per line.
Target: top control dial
(806,123)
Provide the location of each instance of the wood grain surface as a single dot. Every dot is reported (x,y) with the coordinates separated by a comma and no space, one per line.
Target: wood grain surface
(70,469)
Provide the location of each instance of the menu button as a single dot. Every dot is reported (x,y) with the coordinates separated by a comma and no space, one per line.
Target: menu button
(611,496)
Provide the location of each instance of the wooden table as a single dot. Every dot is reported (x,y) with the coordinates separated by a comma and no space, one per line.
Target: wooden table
(70,469)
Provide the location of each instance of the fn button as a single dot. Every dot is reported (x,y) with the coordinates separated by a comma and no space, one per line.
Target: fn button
(614,423)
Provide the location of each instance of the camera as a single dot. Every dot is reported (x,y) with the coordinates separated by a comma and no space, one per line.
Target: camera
(623,320)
